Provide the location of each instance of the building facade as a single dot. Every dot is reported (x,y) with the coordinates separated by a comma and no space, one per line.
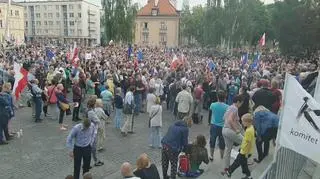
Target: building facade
(157,24)
(62,21)
(11,22)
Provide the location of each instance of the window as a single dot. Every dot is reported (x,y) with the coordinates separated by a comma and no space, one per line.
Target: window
(65,23)
(79,14)
(79,32)
(50,22)
(57,14)
(25,15)
(65,32)
(50,15)
(45,7)
(46,31)
(49,7)
(26,23)
(71,15)
(57,7)
(70,6)
(11,12)
(154,12)
(45,15)
(145,37)
(38,15)
(71,23)
(163,38)
(38,23)
(1,23)
(146,25)
(16,13)
(79,6)
(45,23)
(163,26)
(38,31)
(58,22)
(37,7)
(71,31)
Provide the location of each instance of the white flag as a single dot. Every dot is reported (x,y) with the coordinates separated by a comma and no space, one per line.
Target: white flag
(300,121)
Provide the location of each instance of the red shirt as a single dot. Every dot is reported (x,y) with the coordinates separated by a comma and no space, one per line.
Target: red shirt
(198,93)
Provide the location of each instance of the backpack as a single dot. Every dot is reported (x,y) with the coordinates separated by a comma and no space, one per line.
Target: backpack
(184,164)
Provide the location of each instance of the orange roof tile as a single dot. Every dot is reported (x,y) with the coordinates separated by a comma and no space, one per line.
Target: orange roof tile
(165,8)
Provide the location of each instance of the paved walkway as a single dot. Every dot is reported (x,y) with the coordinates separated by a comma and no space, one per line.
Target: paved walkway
(41,152)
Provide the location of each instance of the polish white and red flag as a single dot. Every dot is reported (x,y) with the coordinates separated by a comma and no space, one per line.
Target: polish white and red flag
(75,58)
(262,41)
(21,80)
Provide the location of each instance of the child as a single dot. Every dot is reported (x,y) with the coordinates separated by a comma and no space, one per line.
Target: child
(246,148)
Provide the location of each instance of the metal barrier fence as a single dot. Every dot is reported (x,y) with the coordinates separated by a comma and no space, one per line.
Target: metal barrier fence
(287,165)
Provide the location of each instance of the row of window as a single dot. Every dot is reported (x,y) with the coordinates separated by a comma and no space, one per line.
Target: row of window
(50,7)
(16,13)
(163,37)
(38,23)
(162,25)
(50,15)
(48,31)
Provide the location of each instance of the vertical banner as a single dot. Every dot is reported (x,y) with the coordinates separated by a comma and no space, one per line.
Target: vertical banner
(300,121)
(317,89)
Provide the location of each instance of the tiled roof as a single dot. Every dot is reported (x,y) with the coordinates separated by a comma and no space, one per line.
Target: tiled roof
(165,8)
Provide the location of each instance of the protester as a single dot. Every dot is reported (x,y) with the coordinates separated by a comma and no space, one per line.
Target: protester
(246,149)
(128,111)
(83,135)
(155,124)
(185,101)
(92,116)
(218,110)
(118,103)
(107,99)
(146,169)
(101,128)
(151,99)
(77,98)
(63,105)
(5,115)
(126,171)
(232,130)
(198,154)
(264,96)
(266,125)
(175,140)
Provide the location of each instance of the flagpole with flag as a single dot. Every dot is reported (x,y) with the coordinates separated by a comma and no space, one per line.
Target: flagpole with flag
(262,41)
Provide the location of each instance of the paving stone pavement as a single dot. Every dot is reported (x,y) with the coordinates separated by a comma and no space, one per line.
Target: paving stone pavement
(41,153)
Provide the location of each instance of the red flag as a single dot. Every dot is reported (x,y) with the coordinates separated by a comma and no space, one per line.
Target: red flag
(262,40)
(21,80)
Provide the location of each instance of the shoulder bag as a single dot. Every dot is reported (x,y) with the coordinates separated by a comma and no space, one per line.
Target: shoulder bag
(153,116)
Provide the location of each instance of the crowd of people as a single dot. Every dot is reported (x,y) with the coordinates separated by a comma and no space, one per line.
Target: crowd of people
(114,85)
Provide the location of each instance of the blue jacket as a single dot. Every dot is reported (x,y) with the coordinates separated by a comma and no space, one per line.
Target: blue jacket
(264,120)
(177,136)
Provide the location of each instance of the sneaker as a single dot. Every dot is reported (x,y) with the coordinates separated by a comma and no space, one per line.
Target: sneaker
(63,128)
(99,163)
(256,160)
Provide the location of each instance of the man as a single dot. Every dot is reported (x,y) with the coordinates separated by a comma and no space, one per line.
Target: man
(197,104)
(128,111)
(37,91)
(173,143)
(184,100)
(264,96)
(77,97)
(126,171)
(5,117)
(83,136)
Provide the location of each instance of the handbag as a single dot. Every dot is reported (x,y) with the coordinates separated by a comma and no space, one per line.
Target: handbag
(64,106)
(153,117)
(127,109)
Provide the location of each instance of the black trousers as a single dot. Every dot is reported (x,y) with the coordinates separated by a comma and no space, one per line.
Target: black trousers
(80,153)
(76,110)
(4,129)
(167,155)
(265,141)
(242,161)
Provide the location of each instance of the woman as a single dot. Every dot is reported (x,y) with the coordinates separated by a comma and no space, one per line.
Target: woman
(101,128)
(118,104)
(145,169)
(197,154)
(52,99)
(92,116)
(151,99)
(245,107)
(155,124)
(77,97)
(61,98)
(232,128)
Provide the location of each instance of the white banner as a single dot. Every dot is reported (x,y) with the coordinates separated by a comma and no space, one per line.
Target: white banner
(88,56)
(317,90)
(300,121)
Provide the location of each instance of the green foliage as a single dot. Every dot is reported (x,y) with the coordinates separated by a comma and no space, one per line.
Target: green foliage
(118,20)
(295,24)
